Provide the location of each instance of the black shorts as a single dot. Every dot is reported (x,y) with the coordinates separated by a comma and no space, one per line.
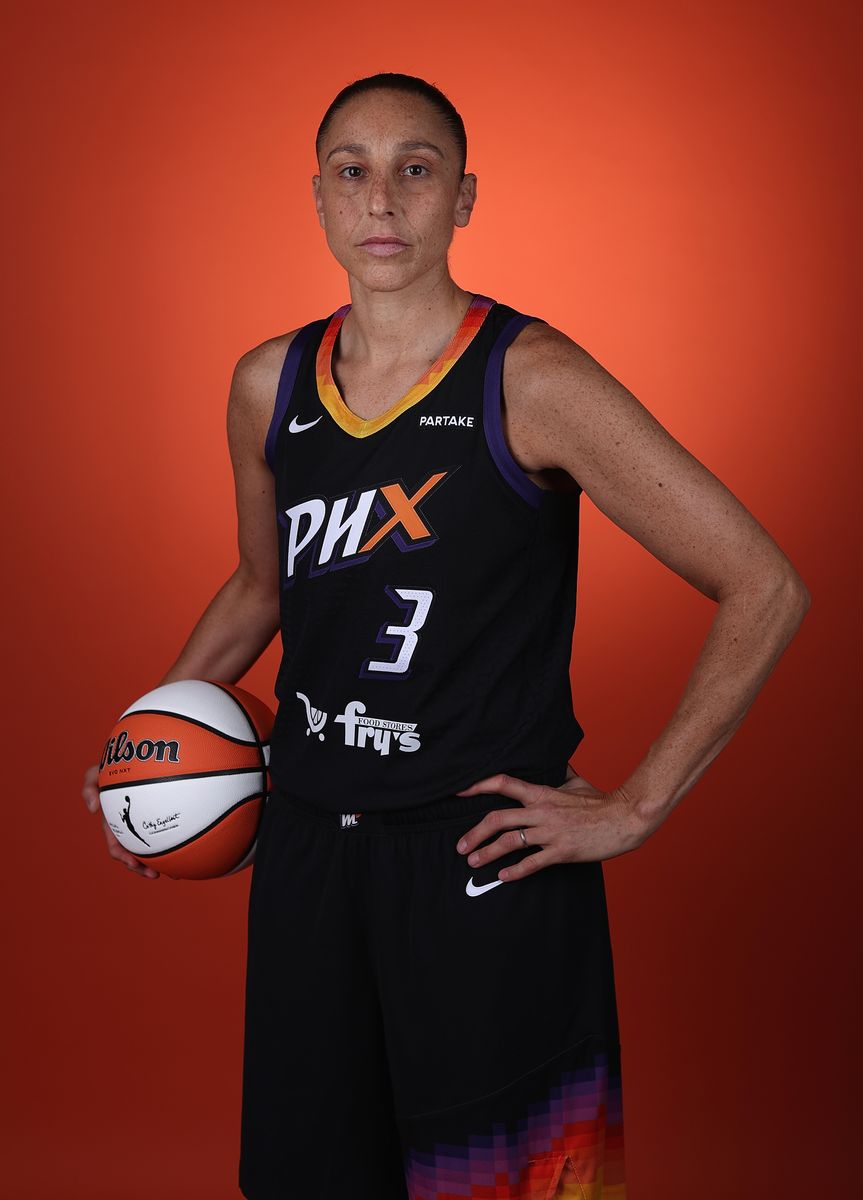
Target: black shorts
(412,1034)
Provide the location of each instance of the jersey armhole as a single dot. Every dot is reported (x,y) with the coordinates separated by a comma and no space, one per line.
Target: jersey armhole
(287,379)
(491,414)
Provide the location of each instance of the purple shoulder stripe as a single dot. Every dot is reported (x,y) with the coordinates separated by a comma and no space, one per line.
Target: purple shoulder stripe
(491,414)
(287,378)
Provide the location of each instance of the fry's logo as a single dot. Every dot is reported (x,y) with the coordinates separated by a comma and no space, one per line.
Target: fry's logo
(332,532)
(381,734)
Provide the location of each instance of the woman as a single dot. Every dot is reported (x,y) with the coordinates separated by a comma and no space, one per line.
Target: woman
(414,1028)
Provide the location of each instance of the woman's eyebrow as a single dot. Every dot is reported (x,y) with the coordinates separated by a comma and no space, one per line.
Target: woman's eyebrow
(356,148)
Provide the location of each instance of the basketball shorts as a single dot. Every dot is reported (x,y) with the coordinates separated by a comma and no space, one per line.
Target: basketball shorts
(415,1030)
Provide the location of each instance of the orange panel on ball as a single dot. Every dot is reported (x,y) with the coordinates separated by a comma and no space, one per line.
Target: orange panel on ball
(146,745)
(214,851)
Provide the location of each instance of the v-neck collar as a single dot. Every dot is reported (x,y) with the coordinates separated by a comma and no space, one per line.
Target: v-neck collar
(331,397)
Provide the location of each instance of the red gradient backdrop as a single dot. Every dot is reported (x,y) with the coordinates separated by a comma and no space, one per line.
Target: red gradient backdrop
(676,187)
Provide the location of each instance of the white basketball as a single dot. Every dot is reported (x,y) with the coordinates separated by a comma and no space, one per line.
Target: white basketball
(184,777)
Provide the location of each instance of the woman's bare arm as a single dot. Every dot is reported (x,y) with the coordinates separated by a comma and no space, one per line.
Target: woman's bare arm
(565,411)
(243,616)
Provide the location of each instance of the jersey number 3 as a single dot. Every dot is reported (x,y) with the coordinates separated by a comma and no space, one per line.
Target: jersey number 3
(415,603)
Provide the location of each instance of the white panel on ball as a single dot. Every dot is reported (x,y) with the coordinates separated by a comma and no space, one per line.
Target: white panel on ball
(163,814)
(200,701)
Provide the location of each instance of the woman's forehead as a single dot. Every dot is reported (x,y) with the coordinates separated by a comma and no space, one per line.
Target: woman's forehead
(386,117)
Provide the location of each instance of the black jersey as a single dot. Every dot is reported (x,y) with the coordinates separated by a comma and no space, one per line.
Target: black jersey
(427,584)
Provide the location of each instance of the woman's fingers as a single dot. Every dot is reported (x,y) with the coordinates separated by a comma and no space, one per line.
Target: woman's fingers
(123,856)
(90,790)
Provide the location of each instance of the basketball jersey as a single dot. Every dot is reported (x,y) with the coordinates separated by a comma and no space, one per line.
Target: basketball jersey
(427,584)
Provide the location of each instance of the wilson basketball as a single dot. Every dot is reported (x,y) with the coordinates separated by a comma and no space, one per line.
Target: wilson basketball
(184,777)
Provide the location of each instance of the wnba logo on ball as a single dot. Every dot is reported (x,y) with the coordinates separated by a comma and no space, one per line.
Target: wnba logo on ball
(121,749)
(196,818)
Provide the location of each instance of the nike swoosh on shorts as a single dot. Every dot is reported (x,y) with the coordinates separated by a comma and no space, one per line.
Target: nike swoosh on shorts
(473,890)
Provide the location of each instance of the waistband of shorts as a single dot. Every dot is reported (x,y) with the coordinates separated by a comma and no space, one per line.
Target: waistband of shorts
(447,810)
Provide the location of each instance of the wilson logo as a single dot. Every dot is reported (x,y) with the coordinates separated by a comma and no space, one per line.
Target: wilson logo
(122,749)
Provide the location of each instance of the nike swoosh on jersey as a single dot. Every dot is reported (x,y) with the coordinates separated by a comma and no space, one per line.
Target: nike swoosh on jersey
(296,427)
(473,890)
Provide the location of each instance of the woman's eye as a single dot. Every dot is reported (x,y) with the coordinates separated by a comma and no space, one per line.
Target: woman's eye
(415,167)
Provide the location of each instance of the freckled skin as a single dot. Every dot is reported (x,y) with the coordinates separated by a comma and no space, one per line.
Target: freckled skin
(382,191)
(566,419)
(564,412)
(405,306)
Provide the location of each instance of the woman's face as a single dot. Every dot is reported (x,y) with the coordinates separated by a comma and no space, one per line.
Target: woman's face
(389,167)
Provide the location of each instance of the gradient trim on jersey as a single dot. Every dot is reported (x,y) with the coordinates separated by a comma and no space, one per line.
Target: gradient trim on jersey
(356,426)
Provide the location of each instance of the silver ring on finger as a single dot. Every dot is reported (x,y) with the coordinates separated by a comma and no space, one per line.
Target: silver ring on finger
(523,838)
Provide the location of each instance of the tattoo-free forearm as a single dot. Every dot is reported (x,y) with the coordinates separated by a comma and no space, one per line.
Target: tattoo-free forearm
(751,629)
(232,633)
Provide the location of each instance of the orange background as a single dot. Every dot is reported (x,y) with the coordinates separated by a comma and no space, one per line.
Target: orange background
(678,190)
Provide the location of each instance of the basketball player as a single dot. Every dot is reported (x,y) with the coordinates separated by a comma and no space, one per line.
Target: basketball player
(430,1000)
